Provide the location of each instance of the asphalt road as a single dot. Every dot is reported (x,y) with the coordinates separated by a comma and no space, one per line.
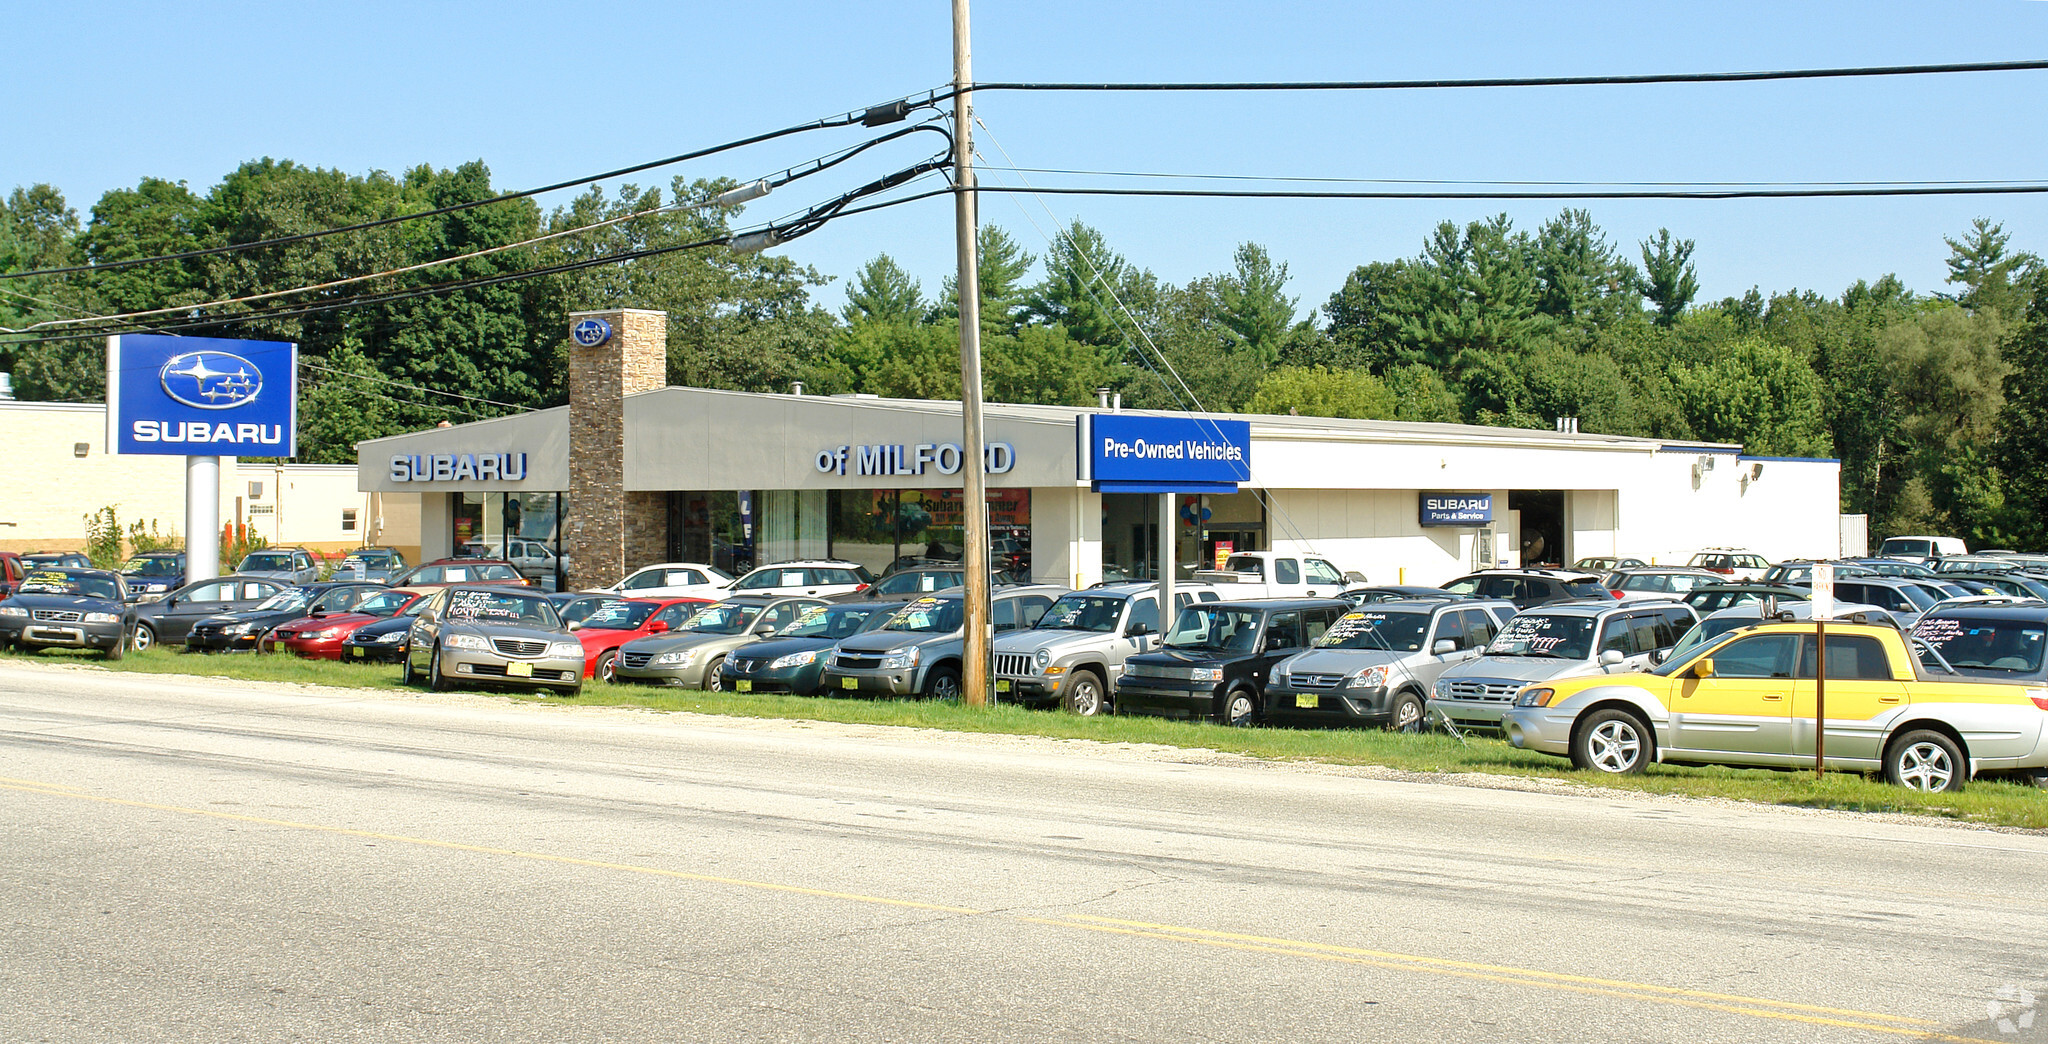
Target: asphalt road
(193,861)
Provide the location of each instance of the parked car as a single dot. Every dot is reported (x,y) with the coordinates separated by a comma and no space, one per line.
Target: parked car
(240,630)
(809,578)
(617,621)
(1392,593)
(2012,585)
(1214,661)
(1529,587)
(1921,548)
(13,567)
(792,660)
(382,564)
(170,618)
(1799,572)
(324,636)
(1075,653)
(495,635)
(386,640)
(55,560)
(1715,624)
(691,654)
(1277,574)
(1378,663)
(1668,580)
(1608,564)
(917,653)
(1903,598)
(153,574)
(1557,641)
(1744,565)
(1750,700)
(293,565)
(1716,597)
(446,571)
(909,583)
(674,580)
(1889,567)
(66,609)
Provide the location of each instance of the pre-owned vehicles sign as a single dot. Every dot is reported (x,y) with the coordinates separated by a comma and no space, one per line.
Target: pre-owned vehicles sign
(202,396)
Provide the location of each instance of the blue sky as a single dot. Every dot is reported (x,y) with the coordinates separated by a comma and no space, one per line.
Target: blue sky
(102,94)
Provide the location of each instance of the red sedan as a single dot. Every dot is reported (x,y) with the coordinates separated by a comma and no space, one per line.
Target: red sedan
(621,620)
(320,637)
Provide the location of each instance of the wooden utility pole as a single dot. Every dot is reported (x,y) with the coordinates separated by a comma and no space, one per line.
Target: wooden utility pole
(979,634)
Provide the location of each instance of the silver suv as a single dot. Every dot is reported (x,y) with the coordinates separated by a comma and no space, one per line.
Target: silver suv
(917,653)
(1075,653)
(1377,664)
(1558,641)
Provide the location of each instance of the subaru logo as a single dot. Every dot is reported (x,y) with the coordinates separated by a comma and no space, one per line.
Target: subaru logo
(591,332)
(211,380)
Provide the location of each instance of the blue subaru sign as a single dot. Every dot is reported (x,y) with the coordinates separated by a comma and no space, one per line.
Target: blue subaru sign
(1457,509)
(591,332)
(202,396)
(1136,453)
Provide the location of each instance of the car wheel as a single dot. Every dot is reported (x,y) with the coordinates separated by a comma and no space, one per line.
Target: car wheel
(1407,713)
(943,683)
(143,638)
(1084,695)
(1613,741)
(1240,708)
(410,676)
(1926,760)
(713,682)
(120,647)
(607,666)
(434,679)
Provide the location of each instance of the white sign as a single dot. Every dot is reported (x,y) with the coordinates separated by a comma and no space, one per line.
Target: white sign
(1823,590)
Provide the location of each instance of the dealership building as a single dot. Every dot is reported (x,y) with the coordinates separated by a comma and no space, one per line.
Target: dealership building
(633,472)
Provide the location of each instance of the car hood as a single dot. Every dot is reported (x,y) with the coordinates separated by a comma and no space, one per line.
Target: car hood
(490,630)
(675,641)
(315,623)
(888,641)
(1342,661)
(70,603)
(1520,668)
(1189,658)
(775,647)
(386,626)
(1032,640)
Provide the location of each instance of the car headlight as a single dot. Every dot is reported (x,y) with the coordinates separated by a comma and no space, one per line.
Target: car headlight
(802,659)
(472,642)
(1043,659)
(153,596)
(901,658)
(676,659)
(102,618)
(393,638)
(12,610)
(1370,678)
(240,628)
(319,635)
(1207,674)
(566,649)
(1535,697)
(1443,689)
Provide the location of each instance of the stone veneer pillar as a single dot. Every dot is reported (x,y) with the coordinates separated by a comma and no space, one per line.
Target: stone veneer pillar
(610,530)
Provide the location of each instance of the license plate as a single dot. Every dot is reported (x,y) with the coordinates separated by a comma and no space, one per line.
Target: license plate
(1305,699)
(1002,685)
(519,670)
(849,683)
(743,686)
(357,651)
(276,646)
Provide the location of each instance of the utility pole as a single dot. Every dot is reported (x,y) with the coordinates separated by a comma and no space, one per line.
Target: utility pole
(979,634)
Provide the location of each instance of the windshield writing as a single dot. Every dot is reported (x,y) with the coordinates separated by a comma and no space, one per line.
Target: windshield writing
(1083,612)
(1564,637)
(1367,629)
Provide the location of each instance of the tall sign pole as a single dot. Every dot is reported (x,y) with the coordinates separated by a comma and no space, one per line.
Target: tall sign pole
(979,635)
(1823,608)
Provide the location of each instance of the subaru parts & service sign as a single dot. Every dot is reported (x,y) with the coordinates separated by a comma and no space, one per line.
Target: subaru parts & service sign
(1457,509)
(202,396)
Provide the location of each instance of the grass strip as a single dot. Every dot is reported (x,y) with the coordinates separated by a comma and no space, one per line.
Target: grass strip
(1991,802)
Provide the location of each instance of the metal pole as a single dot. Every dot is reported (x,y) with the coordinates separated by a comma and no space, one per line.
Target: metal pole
(1820,696)
(202,518)
(1166,555)
(978,634)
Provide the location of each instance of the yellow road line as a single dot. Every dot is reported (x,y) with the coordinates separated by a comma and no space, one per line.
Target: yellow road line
(1758,1007)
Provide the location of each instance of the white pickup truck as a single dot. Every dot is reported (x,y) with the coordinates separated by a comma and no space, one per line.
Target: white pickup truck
(1276,574)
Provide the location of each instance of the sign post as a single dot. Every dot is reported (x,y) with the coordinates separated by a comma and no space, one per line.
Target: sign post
(202,398)
(1170,456)
(1823,608)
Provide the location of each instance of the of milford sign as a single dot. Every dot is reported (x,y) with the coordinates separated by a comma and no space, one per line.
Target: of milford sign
(202,396)
(904,459)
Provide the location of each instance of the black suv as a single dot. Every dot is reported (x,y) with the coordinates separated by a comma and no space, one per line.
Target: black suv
(1529,587)
(1213,663)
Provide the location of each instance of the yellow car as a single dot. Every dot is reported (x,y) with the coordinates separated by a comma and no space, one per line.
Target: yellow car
(1749,699)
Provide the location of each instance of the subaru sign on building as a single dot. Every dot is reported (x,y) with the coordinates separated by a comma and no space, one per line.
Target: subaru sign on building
(202,396)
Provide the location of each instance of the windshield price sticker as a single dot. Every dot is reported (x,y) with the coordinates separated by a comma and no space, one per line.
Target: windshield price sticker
(471,605)
(809,616)
(1530,631)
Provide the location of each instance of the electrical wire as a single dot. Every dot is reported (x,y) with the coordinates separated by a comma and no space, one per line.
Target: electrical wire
(844,120)
(2031,188)
(1490,181)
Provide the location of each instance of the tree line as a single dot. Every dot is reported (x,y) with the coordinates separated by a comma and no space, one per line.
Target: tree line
(1928,399)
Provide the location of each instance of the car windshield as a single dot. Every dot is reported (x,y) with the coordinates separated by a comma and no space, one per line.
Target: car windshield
(1707,632)
(579,609)
(928,616)
(62,582)
(503,607)
(1539,634)
(153,567)
(369,560)
(916,582)
(835,621)
(1371,629)
(384,603)
(721,619)
(1083,612)
(1214,627)
(291,599)
(619,614)
(265,562)
(1990,646)
(1918,595)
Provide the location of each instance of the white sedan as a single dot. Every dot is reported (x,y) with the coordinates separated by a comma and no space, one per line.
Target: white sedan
(674,580)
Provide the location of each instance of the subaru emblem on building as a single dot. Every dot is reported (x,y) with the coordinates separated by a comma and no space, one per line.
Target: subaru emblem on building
(591,332)
(211,380)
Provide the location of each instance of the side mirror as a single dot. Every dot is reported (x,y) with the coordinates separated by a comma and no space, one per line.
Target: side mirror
(1355,577)
(1138,629)
(764,629)
(576,625)
(1703,668)
(1611,657)
(317,613)
(1442,646)
(657,627)
(1658,656)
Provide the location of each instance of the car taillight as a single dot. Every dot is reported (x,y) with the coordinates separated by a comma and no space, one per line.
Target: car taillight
(859,589)
(2039,701)
(1615,591)
(1720,570)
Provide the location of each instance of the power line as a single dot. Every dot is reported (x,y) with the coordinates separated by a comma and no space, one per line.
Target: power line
(2030,188)
(1304,179)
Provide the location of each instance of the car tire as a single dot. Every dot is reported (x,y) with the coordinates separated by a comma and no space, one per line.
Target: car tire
(1406,714)
(407,675)
(1085,695)
(943,683)
(1613,741)
(1926,760)
(1240,708)
(435,681)
(712,681)
(143,638)
(607,666)
(120,648)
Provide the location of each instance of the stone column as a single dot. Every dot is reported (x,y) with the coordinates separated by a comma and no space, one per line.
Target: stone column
(603,518)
